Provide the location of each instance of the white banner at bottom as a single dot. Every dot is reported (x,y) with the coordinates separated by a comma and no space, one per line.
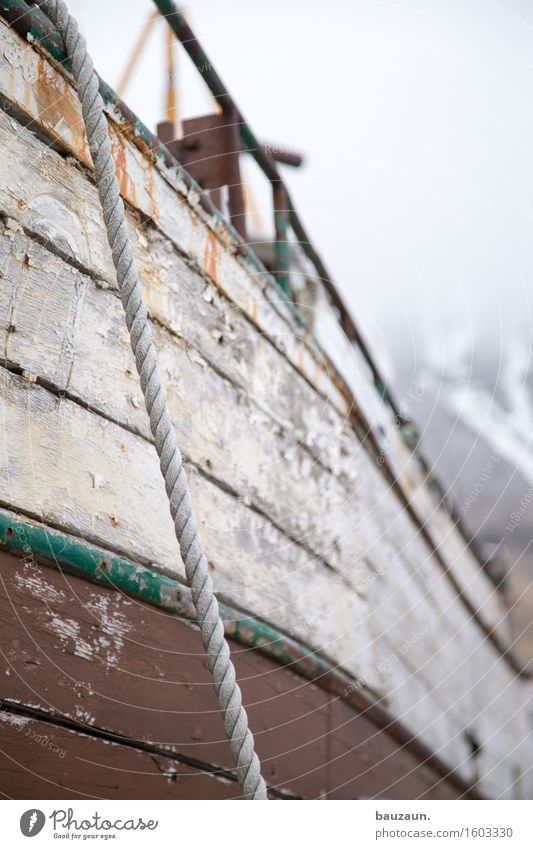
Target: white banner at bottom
(361,823)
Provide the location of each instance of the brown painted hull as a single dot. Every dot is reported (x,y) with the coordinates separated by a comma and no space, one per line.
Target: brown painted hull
(108,697)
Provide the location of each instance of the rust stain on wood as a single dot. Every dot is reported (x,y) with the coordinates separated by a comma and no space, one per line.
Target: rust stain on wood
(210,256)
(150,189)
(118,149)
(57,108)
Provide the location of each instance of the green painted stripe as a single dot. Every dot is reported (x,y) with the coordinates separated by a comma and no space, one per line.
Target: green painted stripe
(33,541)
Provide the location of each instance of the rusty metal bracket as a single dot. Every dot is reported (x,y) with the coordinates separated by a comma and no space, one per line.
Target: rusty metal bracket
(210,150)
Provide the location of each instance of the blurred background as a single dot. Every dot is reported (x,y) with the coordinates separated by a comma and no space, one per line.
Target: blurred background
(416,123)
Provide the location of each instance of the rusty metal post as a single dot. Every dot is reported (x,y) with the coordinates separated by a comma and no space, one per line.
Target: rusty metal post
(237,207)
(166,134)
(281,222)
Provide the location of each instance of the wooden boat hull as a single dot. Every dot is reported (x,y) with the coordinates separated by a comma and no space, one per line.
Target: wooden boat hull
(372,649)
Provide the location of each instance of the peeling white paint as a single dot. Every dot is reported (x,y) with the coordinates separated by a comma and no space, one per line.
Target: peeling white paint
(13,719)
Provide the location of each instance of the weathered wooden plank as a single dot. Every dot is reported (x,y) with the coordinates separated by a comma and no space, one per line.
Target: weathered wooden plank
(476,702)
(92,656)
(396,525)
(40,760)
(443,678)
(436,670)
(359,756)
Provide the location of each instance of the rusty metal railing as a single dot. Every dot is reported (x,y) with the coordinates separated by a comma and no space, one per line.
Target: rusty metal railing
(285,216)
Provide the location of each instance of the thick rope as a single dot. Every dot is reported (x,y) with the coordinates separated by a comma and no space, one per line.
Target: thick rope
(212,629)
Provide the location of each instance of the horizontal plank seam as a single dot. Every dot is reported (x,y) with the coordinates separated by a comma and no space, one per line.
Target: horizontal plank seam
(17,113)
(16,708)
(53,249)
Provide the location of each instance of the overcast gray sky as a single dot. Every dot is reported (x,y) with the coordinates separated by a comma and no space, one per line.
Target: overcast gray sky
(416,119)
